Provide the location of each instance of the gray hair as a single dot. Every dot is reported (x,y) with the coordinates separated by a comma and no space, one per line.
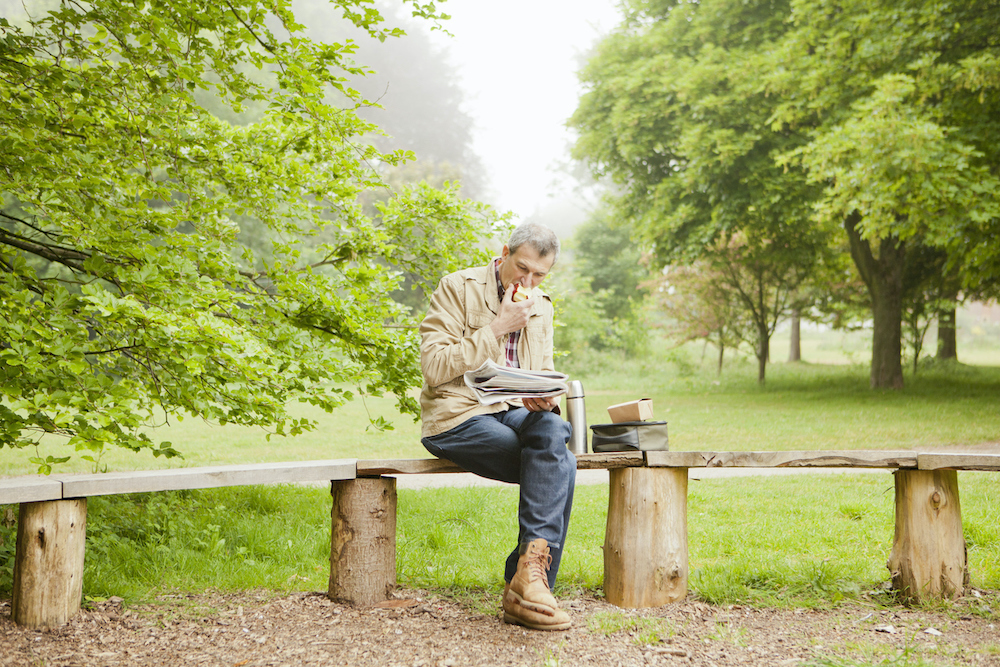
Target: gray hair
(541,238)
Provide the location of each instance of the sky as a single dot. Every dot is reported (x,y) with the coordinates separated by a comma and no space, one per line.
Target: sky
(518,62)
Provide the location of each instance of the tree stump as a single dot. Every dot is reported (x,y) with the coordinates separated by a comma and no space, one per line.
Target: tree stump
(645,544)
(363,549)
(48,562)
(928,558)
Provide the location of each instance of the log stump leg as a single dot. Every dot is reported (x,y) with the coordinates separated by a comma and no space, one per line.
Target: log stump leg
(48,562)
(363,540)
(928,558)
(645,544)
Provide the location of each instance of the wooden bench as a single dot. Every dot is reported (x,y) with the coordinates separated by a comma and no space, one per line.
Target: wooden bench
(645,549)
(52,522)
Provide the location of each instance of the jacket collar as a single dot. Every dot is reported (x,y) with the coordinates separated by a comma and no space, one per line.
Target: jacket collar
(492,301)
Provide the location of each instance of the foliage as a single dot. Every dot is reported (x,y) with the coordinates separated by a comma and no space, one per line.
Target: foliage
(609,263)
(418,103)
(603,308)
(126,291)
(901,171)
(927,292)
(901,102)
(683,130)
(723,116)
(699,306)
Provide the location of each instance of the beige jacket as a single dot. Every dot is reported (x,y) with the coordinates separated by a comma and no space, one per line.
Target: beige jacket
(456,337)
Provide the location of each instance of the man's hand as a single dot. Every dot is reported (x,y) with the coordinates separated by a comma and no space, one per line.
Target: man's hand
(512,316)
(540,404)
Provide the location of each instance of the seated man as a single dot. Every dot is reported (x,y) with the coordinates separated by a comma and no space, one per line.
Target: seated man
(471,318)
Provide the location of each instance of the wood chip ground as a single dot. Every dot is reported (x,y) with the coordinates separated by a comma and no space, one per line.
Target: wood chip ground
(257,629)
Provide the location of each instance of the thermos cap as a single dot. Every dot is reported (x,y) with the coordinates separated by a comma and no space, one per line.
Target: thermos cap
(575,389)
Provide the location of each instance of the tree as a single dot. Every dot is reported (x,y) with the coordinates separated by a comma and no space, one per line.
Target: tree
(415,85)
(889,110)
(700,306)
(764,284)
(603,307)
(126,293)
(924,294)
(681,124)
(901,101)
(610,264)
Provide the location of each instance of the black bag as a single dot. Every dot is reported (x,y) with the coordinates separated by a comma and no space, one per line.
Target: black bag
(629,437)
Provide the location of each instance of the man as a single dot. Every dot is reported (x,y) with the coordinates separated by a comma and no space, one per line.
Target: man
(471,318)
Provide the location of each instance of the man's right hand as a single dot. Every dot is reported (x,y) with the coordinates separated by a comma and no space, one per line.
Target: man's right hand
(512,316)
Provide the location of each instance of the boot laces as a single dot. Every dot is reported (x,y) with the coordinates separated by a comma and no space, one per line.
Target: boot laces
(537,562)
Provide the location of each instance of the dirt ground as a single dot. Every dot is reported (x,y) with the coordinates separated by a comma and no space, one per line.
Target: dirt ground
(424,630)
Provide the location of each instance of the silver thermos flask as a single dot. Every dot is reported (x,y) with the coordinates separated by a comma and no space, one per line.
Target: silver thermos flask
(576,414)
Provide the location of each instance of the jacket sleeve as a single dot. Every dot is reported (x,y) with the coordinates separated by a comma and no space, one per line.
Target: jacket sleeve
(447,348)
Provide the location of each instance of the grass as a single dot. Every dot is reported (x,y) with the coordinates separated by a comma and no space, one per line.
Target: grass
(644,631)
(346,433)
(801,407)
(783,541)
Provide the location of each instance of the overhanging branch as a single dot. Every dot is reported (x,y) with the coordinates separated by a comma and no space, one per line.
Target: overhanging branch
(66,256)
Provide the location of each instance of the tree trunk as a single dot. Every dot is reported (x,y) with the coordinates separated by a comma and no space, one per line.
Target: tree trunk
(928,558)
(763,350)
(48,564)
(887,316)
(363,540)
(947,343)
(795,344)
(884,277)
(722,353)
(645,544)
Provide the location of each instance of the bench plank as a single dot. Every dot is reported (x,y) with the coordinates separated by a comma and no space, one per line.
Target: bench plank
(175,479)
(959,462)
(29,489)
(378,467)
(818,459)
(610,460)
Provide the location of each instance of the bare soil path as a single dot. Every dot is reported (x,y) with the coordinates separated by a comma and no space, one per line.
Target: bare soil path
(256,629)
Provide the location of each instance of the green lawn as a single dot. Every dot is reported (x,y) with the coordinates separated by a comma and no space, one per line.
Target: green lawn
(801,541)
(802,406)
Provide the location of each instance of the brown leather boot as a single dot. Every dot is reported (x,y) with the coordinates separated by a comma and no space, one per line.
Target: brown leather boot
(527,599)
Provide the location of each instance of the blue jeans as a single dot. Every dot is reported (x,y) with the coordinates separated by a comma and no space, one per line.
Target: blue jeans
(520,447)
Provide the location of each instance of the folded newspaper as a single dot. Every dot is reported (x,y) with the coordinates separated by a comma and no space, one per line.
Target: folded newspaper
(492,383)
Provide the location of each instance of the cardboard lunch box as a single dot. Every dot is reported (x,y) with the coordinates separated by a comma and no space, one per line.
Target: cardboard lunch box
(633,411)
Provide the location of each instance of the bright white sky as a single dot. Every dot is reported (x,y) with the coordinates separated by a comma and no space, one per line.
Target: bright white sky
(518,61)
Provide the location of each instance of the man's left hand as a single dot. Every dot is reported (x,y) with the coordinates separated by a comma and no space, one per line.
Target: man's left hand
(540,404)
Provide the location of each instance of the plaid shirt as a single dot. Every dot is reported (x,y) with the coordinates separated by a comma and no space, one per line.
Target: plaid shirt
(510,353)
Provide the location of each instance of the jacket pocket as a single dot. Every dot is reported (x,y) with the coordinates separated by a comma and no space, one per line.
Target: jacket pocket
(476,320)
(534,334)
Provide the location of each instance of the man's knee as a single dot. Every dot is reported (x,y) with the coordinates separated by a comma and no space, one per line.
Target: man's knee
(555,432)
(553,426)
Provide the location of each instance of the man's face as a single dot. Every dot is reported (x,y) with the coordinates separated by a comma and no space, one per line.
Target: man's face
(525,266)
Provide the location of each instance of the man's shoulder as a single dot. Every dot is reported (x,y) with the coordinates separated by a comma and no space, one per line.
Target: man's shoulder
(475,273)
